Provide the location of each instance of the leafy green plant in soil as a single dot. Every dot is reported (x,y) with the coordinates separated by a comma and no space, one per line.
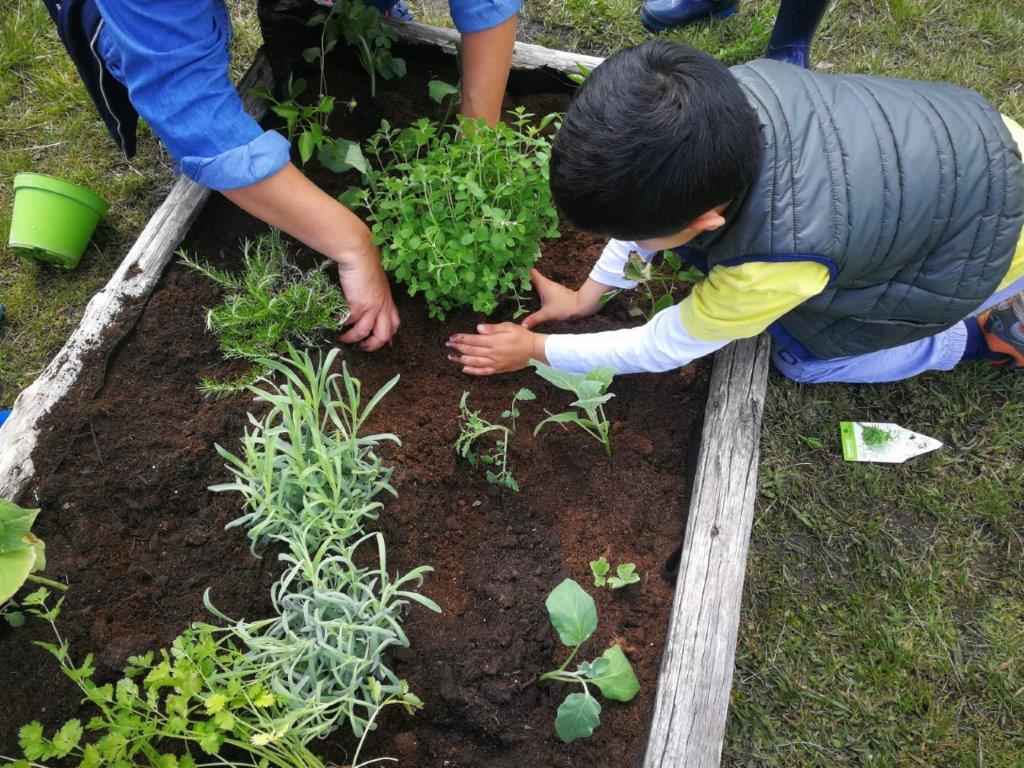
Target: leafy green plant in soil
(574,616)
(197,703)
(359,25)
(22,556)
(459,216)
(472,428)
(268,305)
(591,390)
(311,483)
(657,283)
(625,574)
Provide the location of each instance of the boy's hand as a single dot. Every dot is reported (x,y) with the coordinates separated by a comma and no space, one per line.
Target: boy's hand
(496,349)
(560,303)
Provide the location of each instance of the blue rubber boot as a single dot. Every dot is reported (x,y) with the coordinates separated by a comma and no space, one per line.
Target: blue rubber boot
(795,26)
(393,9)
(3,417)
(659,15)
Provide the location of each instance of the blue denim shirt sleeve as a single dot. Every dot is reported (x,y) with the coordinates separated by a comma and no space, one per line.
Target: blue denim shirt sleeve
(173,56)
(478,15)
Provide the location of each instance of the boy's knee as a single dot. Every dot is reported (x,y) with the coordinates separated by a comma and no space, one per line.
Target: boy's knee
(800,371)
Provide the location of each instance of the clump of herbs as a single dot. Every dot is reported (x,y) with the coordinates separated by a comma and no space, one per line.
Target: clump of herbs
(876,437)
(574,616)
(459,216)
(657,283)
(268,305)
(472,428)
(311,482)
(195,703)
(625,574)
(591,390)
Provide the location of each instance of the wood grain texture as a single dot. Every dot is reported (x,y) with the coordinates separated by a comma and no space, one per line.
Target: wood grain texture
(133,281)
(525,55)
(692,703)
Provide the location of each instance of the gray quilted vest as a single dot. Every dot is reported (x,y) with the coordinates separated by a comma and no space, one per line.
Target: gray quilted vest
(911,193)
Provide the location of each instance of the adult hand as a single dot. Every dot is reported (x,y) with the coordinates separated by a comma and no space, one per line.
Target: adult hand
(372,312)
(498,348)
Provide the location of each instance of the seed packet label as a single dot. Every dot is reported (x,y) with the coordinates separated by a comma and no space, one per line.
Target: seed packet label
(882,442)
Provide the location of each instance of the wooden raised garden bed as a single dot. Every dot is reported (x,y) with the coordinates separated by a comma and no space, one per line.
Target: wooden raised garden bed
(115,443)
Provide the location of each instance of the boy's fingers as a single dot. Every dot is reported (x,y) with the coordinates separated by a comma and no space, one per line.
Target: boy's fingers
(470,360)
(469,342)
(479,370)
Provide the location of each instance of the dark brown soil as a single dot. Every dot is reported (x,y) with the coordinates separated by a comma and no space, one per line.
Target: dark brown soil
(123,466)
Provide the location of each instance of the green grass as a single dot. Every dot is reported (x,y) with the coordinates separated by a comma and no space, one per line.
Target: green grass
(883,620)
(49,125)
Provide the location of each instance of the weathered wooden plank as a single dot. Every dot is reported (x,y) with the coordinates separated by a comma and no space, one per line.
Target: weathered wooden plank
(697,666)
(525,55)
(134,279)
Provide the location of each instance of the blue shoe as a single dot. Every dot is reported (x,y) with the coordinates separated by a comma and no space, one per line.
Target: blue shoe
(3,417)
(393,9)
(659,15)
(399,12)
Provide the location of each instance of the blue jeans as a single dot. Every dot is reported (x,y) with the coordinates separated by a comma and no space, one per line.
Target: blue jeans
(940,352)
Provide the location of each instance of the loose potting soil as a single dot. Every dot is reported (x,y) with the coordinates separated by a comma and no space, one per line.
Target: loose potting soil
(124,462)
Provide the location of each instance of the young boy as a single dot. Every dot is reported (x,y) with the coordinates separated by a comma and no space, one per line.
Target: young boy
(873,226)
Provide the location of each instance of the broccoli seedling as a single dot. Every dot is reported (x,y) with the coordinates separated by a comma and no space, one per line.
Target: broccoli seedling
(574,616)
(591,390)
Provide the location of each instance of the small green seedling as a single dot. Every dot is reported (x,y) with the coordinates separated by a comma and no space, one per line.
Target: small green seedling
(473,427)
(625,574)
(657,281)
(591,390)
(574,617)
(360,26)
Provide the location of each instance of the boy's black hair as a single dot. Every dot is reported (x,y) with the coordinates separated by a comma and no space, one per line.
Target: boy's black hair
(657,135)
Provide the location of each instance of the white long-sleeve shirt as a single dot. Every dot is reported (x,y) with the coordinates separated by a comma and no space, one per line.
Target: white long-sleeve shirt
(731,303)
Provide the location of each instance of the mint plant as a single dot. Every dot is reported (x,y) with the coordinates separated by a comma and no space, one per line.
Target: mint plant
(459,216)
(22,555)
(269,304)
(591,390)
(574,616)
(625,574)
(311,482)
(472,427)
(657,283)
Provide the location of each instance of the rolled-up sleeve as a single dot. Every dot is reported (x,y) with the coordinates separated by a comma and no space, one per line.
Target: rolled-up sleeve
(478,15)
(174,61)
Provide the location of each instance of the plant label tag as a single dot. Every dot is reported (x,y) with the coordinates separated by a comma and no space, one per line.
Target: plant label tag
(883,443)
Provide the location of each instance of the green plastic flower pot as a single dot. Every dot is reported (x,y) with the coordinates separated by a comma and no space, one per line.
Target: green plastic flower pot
(53,219)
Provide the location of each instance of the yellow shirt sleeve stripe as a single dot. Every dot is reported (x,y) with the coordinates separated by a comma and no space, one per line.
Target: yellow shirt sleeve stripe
(741,301)
(1017,267)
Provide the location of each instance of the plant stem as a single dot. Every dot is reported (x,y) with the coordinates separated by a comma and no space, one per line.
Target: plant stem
(48,582)
(553,675)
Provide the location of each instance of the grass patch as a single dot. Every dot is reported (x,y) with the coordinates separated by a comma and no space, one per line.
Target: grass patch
(48,125)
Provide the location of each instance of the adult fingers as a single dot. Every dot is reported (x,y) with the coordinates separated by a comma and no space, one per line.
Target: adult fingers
(363,327)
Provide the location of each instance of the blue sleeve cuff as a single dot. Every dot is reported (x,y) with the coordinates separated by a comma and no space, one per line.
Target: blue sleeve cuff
(242,166)
(478,15)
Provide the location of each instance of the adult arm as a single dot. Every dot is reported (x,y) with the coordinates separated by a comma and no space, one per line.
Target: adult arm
(488,38)
(174,60)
